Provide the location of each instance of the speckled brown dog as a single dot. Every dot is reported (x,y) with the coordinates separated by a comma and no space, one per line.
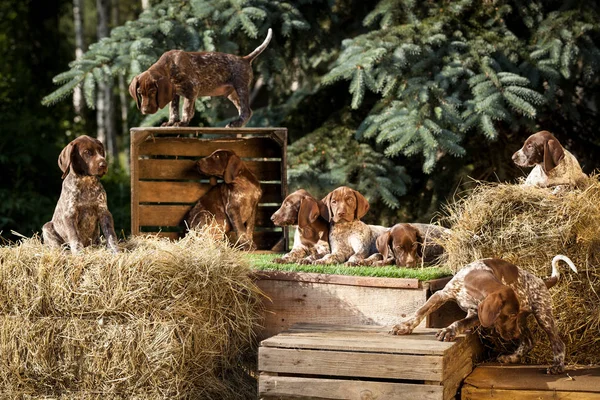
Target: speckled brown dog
(232,204)
(192,75)
(82,203)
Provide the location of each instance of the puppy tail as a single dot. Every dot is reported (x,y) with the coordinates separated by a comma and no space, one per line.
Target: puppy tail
(260,48)
(555,274)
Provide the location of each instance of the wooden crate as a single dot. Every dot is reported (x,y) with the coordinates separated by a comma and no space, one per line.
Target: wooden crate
(295,297)
(165,184)
(311,361)
(530,382)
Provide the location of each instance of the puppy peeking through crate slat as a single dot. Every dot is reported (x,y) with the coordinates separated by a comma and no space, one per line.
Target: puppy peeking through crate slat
(192,75)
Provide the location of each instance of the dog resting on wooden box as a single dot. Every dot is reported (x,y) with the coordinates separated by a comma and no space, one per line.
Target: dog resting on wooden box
(229,206)
(192,75)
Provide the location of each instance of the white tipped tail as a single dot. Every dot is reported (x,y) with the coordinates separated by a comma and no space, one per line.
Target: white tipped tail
(556,259)
(260,48)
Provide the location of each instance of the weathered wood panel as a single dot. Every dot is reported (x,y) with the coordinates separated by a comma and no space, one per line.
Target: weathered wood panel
(169,169)
(288,387)
(190,147)
(172,215)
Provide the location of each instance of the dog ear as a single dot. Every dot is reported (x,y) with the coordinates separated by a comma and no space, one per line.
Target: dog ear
(326,209)
(133,87)
(64,160)
(362,205)
(489,309)
(383,244)
(233,168)
(308,212)
(164,93)
(553,153)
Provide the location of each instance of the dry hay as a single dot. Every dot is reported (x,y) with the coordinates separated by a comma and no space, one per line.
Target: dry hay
(528,226)
(159,320)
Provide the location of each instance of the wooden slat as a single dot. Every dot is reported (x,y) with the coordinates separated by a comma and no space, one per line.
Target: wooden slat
(420,342)
(349,364)
(398,283)
(191,147)
(196,130)
(469,392)
(278,387)
(264,240)
(185,169)
(190,192)
(172,215)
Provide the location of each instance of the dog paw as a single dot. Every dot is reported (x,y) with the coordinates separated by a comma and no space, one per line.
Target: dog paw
(401,329)
(235,124)
(446,335)
(509,359)
(180,123)
(555,369)
(280,260)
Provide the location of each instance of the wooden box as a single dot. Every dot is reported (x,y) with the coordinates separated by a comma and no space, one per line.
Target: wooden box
(165,184)
(311,361)
(296,297)
(530,382)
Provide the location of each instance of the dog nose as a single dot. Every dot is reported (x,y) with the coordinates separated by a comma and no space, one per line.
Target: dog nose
(102,164)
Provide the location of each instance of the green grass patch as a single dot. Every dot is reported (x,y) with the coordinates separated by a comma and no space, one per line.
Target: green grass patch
(263,262)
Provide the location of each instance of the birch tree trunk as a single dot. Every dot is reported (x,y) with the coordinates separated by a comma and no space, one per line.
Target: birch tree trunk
(145,4)
(79,44)
(105,104)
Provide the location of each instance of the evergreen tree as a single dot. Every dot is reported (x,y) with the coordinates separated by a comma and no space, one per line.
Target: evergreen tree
(385,90)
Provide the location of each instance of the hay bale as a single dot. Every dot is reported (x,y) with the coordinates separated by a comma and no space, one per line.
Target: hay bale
(161,319)
(528,226)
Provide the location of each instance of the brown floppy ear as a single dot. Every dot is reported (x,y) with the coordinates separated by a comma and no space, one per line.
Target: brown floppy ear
(383,244)
(362,205)
(326,209)
(164,93)
(553,153)
(64,159)
(308,213)
(233,168)
(489,309)
(133,87)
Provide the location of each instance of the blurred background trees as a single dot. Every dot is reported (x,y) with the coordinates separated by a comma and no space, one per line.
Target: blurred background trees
(406,101)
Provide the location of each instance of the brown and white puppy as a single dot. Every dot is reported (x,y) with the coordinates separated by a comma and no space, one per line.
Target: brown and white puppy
(192,75)
(497,293)
(553,164)
(351,240)
(82,204)
(311,240)
(408,244)
(232,204)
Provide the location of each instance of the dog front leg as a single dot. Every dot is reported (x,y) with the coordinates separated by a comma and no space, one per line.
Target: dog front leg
(244,239)
(51,237)
(450,333)
(545,319)
(108,228)
(72,236)
(189,107)
(173,112)
(407,326)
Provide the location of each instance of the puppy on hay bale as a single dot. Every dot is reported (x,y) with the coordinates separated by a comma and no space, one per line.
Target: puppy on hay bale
(527,226)
(159,320)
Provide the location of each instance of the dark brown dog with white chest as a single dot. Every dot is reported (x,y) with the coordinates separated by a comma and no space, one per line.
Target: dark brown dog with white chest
(553,164)
(230,205)
(82,204)
(497,293)
(311,237)
(408,244)
(192,75)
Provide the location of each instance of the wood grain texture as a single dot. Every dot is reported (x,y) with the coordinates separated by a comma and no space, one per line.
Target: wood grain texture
(172,215)
(287,387)
(169,169)
(469,392)
(190,147)
(309,277)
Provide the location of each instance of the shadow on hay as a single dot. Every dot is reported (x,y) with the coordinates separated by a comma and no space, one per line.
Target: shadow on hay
(528,226)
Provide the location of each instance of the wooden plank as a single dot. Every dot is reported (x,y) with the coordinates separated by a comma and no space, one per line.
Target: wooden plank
(172,215)
(186,169)
(190,192)
(349,364)
(469,392)
(534,377)
(398,283)
(255,147)
(421,342)
(291,302)
(199,130)
(284,387)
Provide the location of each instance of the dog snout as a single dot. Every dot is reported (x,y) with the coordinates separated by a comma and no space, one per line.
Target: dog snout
(519,158)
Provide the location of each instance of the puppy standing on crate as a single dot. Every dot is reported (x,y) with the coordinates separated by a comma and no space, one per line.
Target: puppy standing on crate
(82,204)
(192,75)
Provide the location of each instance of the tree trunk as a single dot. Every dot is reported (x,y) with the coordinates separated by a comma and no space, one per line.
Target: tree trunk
(105,107)
(145,4)
(79,44)
(123,93)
